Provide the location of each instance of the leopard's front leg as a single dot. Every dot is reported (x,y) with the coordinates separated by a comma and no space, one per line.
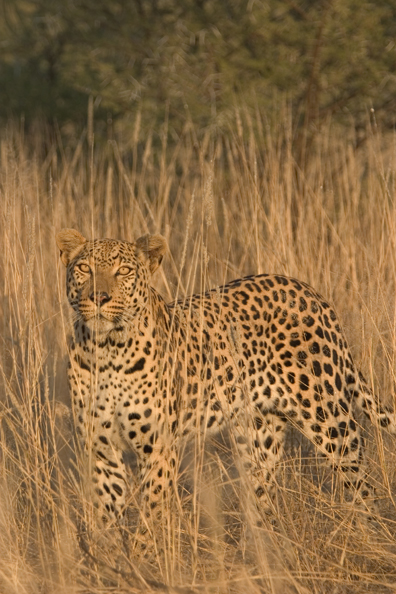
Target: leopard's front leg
(157,469)
(109,479)
(101,449)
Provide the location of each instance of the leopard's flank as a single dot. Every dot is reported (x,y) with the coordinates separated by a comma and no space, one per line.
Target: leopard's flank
(254,355)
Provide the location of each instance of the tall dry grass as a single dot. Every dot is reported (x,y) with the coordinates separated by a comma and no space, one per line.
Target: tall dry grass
(230,204)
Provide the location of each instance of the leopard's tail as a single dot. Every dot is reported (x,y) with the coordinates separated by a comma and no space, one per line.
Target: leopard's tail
(366,400)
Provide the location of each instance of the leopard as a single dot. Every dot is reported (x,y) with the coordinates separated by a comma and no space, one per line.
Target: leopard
(254,357)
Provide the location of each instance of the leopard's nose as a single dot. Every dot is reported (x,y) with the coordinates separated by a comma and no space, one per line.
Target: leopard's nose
(99,298)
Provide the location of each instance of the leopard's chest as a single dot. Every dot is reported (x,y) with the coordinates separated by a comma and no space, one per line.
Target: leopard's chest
(108,382)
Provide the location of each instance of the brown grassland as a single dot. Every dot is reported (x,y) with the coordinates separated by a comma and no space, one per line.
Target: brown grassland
(229,204)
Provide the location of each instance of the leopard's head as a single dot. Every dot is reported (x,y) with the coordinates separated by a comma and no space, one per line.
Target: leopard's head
(107,280)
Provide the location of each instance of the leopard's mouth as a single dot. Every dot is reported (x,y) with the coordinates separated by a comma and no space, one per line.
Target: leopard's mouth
(99,323)
(101,320)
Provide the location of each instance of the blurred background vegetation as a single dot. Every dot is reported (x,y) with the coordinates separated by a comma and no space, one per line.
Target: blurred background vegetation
(179,59)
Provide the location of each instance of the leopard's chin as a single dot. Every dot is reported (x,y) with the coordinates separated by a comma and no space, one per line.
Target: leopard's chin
(100,326)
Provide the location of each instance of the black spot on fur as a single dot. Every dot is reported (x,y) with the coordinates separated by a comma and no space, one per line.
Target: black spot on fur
(139,365)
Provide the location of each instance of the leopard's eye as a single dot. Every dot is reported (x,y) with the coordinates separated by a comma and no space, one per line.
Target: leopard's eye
(84,267)
(124,270)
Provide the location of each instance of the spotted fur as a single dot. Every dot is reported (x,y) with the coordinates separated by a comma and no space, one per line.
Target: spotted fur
(255,355)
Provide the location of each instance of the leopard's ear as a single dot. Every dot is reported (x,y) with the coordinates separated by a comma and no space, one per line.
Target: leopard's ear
(150,250)
(69,242)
